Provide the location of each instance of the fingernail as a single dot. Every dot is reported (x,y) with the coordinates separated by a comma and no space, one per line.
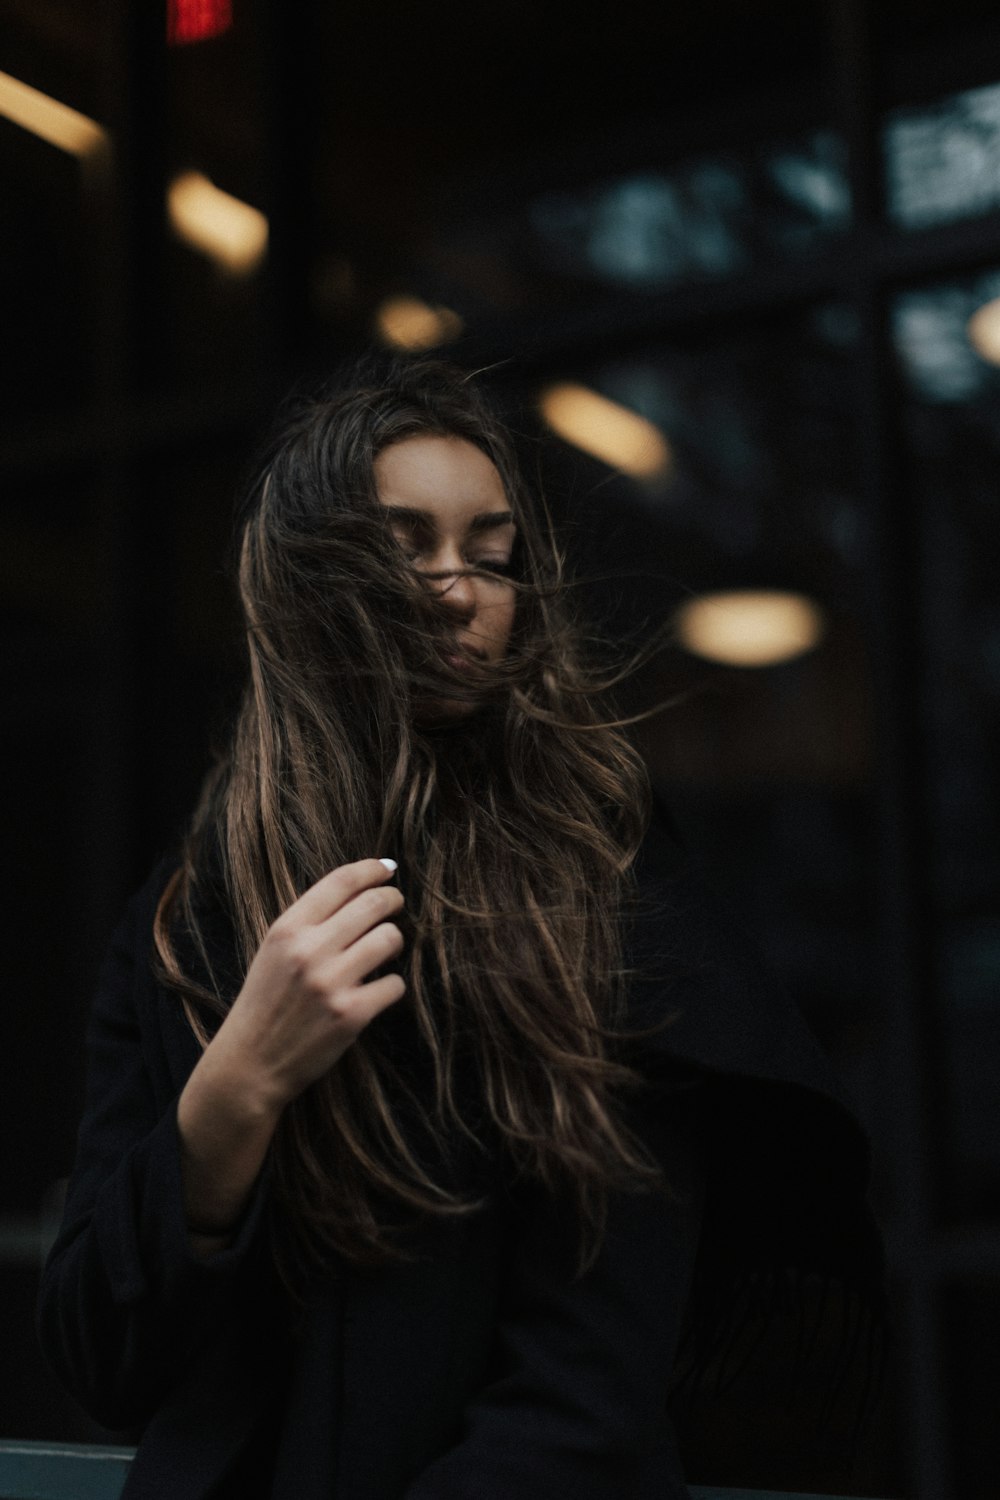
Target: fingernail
(390,864)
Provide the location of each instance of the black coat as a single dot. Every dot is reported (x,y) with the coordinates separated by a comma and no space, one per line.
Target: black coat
(481,1367)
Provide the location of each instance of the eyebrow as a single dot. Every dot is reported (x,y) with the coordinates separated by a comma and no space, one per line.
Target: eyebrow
(485,521)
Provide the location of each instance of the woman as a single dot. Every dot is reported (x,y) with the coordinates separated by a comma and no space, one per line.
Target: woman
(427,1100)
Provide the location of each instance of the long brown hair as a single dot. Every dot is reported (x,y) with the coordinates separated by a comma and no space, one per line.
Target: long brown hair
(515,826)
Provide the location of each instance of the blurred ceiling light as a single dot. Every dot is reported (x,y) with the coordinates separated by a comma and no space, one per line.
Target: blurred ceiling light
(47,118)
(750,628)
(411,324)
(610,432)
(984,331)
(222,227)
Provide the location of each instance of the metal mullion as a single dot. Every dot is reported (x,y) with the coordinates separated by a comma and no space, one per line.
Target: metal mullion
(133,37)
(658,143)
(904,255)
(104,819)
(903,830)
(888,257)
(618,322)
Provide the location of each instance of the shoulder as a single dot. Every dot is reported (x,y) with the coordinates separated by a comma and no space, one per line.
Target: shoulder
(131,941)
(197,934)
(791,1161)
(695,968)
(139,1046)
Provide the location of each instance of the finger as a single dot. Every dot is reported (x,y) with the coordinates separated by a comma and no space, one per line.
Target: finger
(377,995)
(377,947)
(360,915)
(335,889)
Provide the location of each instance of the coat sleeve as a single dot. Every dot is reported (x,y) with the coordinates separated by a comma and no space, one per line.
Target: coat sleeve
(578,1404)
(124,1303)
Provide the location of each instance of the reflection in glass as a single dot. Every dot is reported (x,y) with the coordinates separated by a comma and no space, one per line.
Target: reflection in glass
(943,160)
(233,234)
(768,771)
(610,431)
(708,217)
(409,323)
(50,120)
(932,337)
(750,628)
(984,331)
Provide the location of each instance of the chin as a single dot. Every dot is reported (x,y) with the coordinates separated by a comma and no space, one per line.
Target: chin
(438,711)
(444,712)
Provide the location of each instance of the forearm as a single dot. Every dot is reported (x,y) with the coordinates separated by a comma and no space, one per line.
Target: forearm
(127,1299)
(226,1122)
(305,999)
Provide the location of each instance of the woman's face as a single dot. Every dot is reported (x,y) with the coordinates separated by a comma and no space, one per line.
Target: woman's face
(449,513)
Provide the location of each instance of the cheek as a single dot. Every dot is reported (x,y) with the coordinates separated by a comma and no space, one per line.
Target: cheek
(496,621)
(505,620)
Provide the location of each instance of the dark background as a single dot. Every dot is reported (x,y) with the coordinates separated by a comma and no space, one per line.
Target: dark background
(764,226)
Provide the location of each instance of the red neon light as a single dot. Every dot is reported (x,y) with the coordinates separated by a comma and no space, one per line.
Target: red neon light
(197,20)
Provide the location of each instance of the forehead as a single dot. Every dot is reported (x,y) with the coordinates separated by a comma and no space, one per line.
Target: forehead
(444,476)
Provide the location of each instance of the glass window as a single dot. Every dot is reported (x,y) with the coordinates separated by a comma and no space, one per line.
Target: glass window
(641,231)
(50,605)
(768,770)
(218,191)
(952,434)
(47,271)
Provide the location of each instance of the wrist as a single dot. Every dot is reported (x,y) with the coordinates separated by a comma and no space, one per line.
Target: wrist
(235,1089)
(226,1124)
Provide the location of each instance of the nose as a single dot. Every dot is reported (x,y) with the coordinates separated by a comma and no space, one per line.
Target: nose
(457,590)
(446,574)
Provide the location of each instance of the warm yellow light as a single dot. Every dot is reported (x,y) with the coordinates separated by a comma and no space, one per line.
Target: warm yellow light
(222,227)
(610,432)
(45,117)
(984,331)
(409,323)
(745,628)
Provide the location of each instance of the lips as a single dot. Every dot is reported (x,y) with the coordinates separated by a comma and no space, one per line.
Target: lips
(464,656)
(465,660)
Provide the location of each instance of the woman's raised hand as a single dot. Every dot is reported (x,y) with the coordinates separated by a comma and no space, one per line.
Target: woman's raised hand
(306,997)
(307,994)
